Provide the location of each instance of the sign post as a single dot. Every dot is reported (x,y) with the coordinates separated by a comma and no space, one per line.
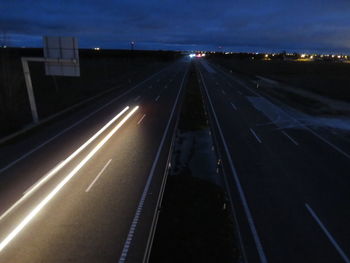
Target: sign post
(61,59)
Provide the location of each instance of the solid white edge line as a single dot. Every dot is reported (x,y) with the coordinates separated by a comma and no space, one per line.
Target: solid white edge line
(98,176)
(153,228)
(290,138)
(256,136)
(249,216)
(52,194)
(135,220)
(78,122)
(233,106)
(143,116)
(328,234)
(57,168)
(290,116)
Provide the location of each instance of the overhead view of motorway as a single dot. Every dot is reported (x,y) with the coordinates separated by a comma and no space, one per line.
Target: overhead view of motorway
(290,183)
(175,131)
(85,189)
(80,191)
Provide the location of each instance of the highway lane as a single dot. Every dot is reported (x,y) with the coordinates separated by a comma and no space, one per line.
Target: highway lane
(294,185)
(90,218)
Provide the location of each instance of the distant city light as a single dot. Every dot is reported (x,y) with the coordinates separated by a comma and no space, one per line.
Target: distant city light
(266,55)
(303,55)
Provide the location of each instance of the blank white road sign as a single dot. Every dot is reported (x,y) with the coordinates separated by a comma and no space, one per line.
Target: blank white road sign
(65,49)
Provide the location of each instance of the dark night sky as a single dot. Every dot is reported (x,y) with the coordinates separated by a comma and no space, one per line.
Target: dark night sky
(237,25)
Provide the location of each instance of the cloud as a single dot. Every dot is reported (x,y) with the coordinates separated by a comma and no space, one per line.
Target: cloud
(254,24)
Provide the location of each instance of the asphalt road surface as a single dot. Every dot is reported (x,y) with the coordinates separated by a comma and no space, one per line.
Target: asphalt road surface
(85,188)
(289,184)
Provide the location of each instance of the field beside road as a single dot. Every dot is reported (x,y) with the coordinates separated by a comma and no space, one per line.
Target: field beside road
(325,78)
(100,71)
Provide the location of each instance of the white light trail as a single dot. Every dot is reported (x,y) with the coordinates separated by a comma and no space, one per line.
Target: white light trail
(41,205)
(62,164)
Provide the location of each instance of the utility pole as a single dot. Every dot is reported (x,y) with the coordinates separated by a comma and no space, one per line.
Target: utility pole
(132,45)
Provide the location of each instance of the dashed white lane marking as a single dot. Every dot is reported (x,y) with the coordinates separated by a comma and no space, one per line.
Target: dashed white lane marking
(144,115)
(335,147)
(251,223)
(136,219)
(290,138)
(256,136)
(240,93)
(328,234)
(157,98)
(98,176)
(137,98)
(223,92)
(233,106)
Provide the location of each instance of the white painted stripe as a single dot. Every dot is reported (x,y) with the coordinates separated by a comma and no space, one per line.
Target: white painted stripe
(223,92)
(137,98)
(144,115)
(239,92)
(65,180)
(290,138)
(77,123)
(328,234)
(249,216)
(98,176)
(157,98)
(58,167)
(134,223)
(233,106)
(256,136)
(347,155)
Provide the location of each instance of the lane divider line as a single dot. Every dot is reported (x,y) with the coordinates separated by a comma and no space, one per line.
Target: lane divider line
(233,106)
(290,138)
(246,208)
(332,145)
(98,176)
(157,98)
(51,173)
(328,234)
(256,136)
(53,193)
(80,121)
(136,218)
(143,116)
